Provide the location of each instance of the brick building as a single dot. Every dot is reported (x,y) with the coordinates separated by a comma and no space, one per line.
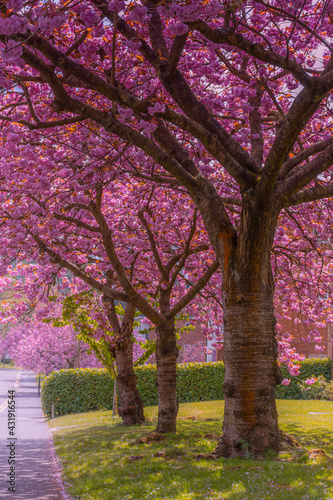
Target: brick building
(297,331)
(300,331)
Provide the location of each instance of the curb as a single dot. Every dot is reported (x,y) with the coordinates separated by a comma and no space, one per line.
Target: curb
(57,468)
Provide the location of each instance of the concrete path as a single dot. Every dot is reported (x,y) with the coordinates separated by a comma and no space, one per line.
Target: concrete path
(25,442)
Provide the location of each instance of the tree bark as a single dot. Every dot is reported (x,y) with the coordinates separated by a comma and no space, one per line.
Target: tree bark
(250,425)
(130,408)
(251,373)
(166,360)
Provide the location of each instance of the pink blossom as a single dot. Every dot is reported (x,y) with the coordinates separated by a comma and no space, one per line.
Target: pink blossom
(125,113)
(89,17)
(15,4)
(310,381)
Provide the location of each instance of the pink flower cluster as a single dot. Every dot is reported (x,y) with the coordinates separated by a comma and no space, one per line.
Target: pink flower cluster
(310,381)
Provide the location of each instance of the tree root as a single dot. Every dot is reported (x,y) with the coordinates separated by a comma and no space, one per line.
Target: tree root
(319,454)
(152,436)
(288,442)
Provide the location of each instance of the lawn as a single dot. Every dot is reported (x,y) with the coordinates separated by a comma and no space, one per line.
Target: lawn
(102,460)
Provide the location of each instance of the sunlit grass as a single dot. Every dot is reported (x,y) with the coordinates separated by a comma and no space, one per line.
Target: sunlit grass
(101,459)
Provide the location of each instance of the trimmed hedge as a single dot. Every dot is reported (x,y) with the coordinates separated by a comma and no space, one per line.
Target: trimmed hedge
(77,391)
(195,382)
(82,390)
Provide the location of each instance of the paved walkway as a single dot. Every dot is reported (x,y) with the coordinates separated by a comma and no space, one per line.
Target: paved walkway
(35,473)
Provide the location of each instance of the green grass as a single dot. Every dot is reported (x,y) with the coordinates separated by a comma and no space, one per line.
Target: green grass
(99,457)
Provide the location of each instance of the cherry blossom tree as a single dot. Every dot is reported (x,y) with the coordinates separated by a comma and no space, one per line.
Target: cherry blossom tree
(43,348)
(109,333)
(149,235)
(194,353)
(229,101)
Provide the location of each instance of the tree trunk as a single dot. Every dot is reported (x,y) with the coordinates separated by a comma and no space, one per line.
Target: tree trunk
(251,373)
(166,360)
(130,408)
(250,349)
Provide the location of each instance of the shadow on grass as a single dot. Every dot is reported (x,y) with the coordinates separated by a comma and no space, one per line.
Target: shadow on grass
(106,463)
(317,437)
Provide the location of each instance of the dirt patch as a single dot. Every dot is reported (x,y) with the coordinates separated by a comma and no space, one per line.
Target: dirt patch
(159,454)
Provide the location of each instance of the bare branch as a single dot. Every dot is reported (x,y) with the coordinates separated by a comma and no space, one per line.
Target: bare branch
(186,249)
(176,52)
(77,222)
(304,106)
(78,42)
(110,309)
(156,32)
(257,141)
(163,270)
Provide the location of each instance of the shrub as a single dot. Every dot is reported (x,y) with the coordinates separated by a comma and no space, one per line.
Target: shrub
(200,381)
(195,382)
(309,368)
(77,390)
(315,390)
(81,390)
(328,392)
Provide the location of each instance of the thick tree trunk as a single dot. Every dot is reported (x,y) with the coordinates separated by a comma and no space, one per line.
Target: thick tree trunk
(251,373)
(130,407)
(250,349)
(166,360)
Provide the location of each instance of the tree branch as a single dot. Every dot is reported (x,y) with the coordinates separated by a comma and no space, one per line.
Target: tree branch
(79,273)
(133,295)
(169,144)
(305,175)
(156,32)
(257,141)
(304,106)
(186,252)
(110,309)
(77,222)
(176,52)
(312,194)
(178,88)
(253,49)
(200,284)
(78,42)
(163,270)
(302,156)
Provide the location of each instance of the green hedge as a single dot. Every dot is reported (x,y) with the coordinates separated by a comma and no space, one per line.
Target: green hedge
(77,391)
(81,390)
(195,382)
